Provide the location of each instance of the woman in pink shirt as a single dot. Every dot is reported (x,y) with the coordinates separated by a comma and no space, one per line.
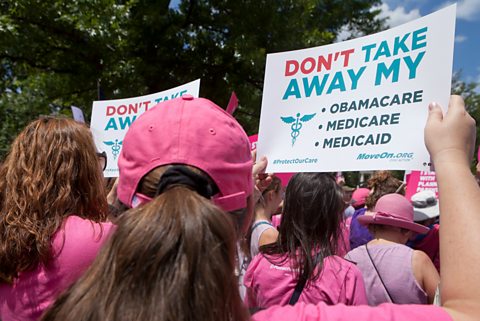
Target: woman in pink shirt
(52,203)
(303,260)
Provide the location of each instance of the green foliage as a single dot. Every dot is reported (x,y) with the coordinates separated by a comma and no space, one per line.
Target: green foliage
(57,53)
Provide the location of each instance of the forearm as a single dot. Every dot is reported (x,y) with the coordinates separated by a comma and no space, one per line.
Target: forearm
(460,221)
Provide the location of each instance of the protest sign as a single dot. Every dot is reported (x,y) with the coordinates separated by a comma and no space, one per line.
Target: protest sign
(284,177)
(112,118)
(360,104)
(78,114)
(420,181)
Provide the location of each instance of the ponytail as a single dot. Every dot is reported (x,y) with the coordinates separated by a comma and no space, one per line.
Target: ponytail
(170,259)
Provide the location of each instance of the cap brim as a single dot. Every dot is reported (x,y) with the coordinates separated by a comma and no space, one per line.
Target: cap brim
(421,214)
(369,219)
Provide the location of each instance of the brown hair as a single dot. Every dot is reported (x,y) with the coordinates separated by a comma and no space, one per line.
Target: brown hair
(170,259)
(382,183)
(50,173)
(275,186)
(310,226)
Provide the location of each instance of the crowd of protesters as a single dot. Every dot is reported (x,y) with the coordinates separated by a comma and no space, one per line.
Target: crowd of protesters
(186,232)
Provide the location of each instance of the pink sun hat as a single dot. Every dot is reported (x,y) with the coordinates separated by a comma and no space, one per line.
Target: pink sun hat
(189,131)
(393,210)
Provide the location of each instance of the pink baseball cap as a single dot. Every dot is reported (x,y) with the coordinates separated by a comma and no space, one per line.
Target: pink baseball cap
(393,210)
(189,131)
(359,196)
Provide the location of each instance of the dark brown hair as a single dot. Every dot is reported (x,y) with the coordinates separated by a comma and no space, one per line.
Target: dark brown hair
(170,259)
(50,173)
(310,228)
(382,183)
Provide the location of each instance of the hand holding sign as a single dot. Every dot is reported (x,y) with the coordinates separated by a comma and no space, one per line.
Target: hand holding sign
(450,138)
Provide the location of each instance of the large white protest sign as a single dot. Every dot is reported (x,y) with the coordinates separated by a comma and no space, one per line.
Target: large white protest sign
(112,118)
(360,104)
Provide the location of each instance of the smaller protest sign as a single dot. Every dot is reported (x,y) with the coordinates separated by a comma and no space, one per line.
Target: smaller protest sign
(112,118)
(420,181)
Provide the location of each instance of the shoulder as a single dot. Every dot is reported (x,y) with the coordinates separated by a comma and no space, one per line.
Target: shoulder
(81,234)
(342,266)
(419,258)
(354,254)
(384,312)
(269,235)
(77,226)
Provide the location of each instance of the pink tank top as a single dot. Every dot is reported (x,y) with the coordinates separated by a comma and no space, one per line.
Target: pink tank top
(394,264)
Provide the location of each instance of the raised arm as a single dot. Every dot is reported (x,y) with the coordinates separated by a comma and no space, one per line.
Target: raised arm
(450,139)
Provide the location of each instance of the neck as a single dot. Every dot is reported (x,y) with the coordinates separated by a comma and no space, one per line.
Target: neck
(388,236)
(261,214)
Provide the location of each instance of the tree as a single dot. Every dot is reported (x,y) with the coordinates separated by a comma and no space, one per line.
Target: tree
(57,53)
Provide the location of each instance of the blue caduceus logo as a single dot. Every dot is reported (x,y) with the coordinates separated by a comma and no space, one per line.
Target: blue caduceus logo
(297,124)
(116,147)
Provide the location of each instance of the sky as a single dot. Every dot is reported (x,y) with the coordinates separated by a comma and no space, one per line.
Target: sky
(466,56)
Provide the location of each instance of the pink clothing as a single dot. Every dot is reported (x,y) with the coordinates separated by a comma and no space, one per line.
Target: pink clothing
(343,245)
(322,312)
(76,245)
(269,284)
(276,220)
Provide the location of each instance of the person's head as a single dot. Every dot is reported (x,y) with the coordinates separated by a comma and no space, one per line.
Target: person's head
(393,216)
(170,259)
(359,197)
(193,133)
(52,171)
(272,197)
(382,183)
(426,208)
(313,210)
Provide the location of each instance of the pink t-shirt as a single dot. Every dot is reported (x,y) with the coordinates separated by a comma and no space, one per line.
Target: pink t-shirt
(322,312)
(76,244)
(269,284)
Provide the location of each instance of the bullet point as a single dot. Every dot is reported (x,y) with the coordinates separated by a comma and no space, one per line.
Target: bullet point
(323,110)
(320,127)
(316,144)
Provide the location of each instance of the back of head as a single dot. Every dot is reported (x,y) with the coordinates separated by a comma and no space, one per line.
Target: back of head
(313,210)
(382,183)
(170,259)
(51,172)
(274,187)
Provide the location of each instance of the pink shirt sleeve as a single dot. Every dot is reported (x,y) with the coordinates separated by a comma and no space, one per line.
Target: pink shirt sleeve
(322,312)
(354,287)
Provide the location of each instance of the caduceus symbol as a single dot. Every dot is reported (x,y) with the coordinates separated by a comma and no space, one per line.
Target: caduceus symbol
(297,124)
(116,146)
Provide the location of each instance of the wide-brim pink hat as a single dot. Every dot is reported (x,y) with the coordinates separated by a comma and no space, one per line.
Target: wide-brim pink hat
(393,210)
